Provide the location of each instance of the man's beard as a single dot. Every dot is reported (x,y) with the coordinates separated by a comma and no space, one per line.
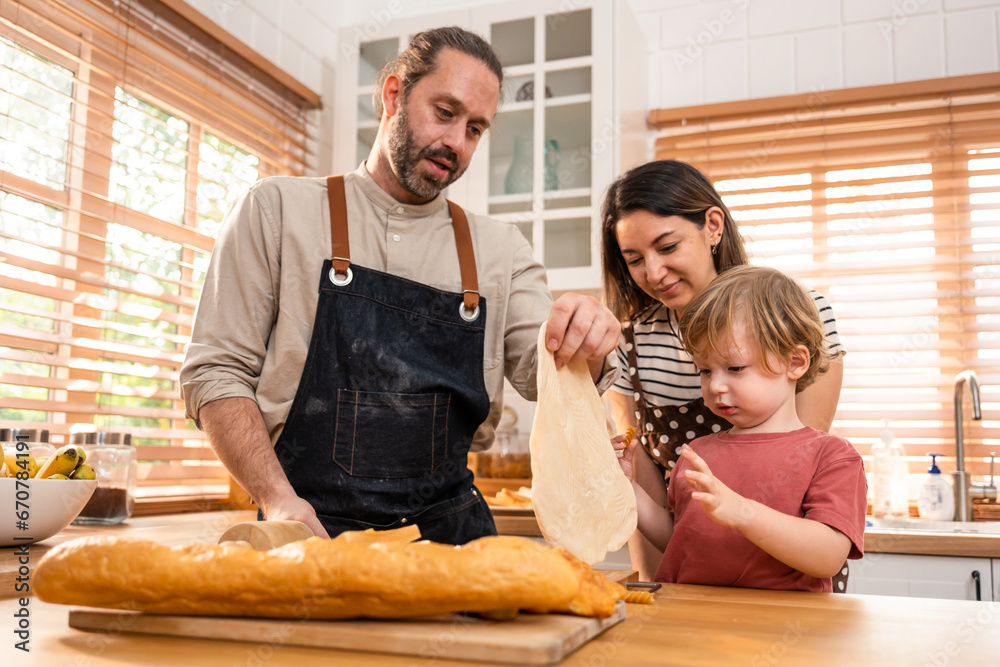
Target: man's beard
(404,156)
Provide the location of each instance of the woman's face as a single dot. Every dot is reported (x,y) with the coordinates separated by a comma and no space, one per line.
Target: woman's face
(669,257)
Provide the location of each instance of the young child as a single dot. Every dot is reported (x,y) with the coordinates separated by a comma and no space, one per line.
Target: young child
(769,503)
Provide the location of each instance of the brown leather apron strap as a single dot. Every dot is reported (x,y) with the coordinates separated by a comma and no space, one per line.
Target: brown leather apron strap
(466,257)
(339,244)
(341,250)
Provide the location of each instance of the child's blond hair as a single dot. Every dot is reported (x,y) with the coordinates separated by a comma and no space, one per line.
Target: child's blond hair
(777,313)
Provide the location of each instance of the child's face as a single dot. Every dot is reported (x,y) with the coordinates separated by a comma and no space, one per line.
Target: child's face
(739,388)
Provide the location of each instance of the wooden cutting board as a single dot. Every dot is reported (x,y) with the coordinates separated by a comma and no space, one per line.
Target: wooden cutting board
(529,639)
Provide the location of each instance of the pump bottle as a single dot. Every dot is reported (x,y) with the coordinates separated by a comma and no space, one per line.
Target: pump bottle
(890,497)
(936,500)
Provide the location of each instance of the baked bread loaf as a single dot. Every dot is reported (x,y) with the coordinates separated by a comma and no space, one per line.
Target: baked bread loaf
(353,575)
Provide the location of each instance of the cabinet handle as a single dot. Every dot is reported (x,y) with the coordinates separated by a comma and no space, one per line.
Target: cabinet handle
(977,579)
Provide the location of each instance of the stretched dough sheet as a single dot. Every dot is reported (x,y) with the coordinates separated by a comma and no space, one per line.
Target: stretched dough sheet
(582,499)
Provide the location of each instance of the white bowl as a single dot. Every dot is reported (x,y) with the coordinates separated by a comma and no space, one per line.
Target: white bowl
(49,505)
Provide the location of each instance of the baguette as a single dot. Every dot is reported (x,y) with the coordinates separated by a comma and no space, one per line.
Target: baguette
(350,576)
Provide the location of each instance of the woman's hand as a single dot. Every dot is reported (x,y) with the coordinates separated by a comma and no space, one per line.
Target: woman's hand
(625,451)
(723,505)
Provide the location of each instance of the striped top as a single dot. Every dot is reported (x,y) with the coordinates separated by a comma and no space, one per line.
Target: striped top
(666,371)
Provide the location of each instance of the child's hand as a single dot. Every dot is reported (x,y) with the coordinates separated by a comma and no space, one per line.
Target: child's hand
(625,451)
(723,505)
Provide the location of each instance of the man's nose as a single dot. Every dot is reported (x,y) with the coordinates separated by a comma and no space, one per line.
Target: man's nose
(454,138)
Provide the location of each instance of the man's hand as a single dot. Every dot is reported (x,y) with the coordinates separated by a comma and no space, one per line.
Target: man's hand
(580,328)
(722,505)
(294,508)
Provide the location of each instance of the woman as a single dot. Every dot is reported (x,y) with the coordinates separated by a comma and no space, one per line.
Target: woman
(666,234)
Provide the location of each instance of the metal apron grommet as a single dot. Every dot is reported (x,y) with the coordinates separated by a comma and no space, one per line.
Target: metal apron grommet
(464,313)
(340,282)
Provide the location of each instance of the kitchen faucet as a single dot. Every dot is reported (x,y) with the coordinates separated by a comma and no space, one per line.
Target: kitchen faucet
(964,490)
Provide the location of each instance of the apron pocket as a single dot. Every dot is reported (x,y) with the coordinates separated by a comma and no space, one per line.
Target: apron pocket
(416,425)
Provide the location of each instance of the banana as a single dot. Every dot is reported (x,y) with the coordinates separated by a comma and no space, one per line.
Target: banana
(63,462)
(57,475)
(11,461)
(83,471)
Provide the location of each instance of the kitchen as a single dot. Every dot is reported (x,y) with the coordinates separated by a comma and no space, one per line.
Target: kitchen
(828,51)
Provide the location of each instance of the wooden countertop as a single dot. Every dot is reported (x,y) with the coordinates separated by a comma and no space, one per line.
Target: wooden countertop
(176,529)
(686,625)
(517,521)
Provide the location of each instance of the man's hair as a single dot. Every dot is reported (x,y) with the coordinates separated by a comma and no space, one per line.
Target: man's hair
(776,313)
(420,59)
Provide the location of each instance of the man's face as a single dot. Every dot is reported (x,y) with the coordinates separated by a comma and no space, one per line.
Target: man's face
(438,125)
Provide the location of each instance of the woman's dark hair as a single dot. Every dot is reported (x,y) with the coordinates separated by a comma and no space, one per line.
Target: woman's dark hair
(664,188)
(420,59)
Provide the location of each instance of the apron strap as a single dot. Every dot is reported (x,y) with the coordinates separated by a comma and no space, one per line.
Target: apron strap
(339,243)
(340,246)
(466,257)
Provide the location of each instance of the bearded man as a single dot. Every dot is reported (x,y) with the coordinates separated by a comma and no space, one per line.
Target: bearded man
(353,403)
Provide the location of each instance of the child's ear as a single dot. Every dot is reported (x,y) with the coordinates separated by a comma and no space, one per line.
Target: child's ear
(798,362)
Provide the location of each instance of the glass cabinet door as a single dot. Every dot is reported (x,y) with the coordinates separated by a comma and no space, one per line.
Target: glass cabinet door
(540,171)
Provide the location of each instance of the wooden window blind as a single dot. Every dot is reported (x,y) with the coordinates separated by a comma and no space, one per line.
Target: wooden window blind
(887,200)
(127,131)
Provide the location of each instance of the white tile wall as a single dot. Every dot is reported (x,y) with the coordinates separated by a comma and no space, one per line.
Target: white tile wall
(918,48)
(694,46)
(775,55)
(681,77)
(819,64)
(867,56)
(855,11)
(970,41)
(705,24)
(776,17)
(725,72)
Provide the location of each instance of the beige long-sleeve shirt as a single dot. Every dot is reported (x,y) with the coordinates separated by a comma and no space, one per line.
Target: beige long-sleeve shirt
(255,316)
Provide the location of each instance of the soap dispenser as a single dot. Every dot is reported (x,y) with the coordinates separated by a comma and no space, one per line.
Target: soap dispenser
(890,488)
(936,500)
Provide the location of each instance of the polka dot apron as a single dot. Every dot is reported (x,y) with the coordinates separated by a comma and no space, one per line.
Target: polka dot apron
(663,430)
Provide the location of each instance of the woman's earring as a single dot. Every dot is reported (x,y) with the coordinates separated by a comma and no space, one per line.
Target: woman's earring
(715,248)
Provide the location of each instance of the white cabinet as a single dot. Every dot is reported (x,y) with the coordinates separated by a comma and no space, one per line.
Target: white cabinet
(996,579)
(573,118)
(945,577)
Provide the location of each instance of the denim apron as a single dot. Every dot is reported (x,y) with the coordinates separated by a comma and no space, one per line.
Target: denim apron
(390,396)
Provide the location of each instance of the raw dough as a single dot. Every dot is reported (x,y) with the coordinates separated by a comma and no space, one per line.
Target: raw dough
(582,499)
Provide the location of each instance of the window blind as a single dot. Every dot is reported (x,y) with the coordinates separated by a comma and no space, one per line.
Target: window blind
(887,200)
(126,133)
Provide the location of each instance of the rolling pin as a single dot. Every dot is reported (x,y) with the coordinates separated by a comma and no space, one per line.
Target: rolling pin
(265,535)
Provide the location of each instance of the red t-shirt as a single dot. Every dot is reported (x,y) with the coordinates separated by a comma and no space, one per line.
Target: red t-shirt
(804,473)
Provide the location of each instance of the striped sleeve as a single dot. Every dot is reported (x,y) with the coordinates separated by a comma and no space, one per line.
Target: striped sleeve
(829,323)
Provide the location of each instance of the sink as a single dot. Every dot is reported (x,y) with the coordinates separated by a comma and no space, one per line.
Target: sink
(923,525)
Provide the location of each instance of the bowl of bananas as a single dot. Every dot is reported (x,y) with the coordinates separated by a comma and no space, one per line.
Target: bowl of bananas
(41,491)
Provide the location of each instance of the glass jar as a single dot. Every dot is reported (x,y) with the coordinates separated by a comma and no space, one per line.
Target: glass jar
(32,441)
(113,459)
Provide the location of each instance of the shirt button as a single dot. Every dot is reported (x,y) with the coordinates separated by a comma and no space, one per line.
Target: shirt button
(395,237)
(400,210)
